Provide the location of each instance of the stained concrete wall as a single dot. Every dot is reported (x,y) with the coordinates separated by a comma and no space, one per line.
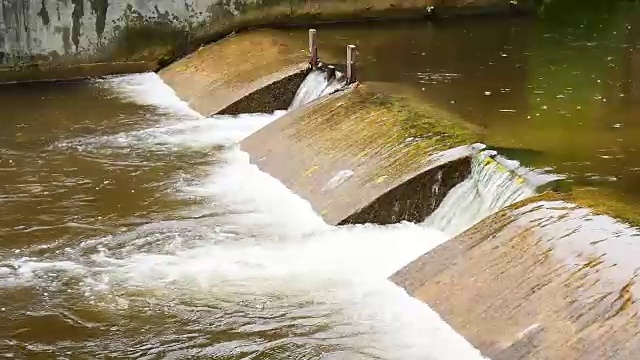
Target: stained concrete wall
(104,30)
(361,155)
(51,29)
(543,279)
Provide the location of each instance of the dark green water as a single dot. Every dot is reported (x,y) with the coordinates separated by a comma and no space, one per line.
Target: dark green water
(560,92)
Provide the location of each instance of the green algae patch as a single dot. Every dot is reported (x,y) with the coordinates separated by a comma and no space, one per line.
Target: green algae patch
(398,133)
(218,75)
(362,155)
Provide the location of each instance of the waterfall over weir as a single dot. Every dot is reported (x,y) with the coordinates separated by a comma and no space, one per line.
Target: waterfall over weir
(248,269)
(490,187)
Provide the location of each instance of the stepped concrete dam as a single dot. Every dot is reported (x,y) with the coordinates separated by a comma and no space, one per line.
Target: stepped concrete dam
(283,193)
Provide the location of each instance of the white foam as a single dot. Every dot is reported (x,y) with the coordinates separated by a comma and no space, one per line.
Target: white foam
(218,130)
(314,86)
(256,199)
(149,89)
(201,133)
(287,249)
(490,187)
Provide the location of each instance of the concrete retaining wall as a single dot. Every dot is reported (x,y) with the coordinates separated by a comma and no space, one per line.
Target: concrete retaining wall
(72,31)
(60,30)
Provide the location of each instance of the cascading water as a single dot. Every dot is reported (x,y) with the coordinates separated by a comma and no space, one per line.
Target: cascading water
(490,187)
(246,270)
(315,86)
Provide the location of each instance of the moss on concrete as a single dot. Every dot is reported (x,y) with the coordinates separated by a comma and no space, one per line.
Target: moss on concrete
(570,277)
(606,202)
(599,201)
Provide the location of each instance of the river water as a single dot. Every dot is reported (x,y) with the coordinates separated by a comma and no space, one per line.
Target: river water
(133,227)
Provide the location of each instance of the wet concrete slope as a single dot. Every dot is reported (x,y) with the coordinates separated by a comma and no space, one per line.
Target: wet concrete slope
(543,279)
(262,68)
(361,155)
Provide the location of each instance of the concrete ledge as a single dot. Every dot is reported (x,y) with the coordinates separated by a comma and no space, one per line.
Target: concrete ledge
(218,76)
(344,151)
(543,279)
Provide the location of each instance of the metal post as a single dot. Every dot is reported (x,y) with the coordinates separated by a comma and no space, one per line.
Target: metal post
(351,64)
(313,49)
(331,73)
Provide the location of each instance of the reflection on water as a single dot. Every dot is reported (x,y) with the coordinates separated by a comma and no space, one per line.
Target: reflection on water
(562,91)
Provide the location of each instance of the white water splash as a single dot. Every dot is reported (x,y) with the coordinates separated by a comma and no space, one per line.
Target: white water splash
(148,89)
(264,240)
(490,187)
(314,86)
(271,242)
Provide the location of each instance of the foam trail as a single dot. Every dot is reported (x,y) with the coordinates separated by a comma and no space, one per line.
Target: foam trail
(218,130)
(489,188)
(314,86)
(149,89)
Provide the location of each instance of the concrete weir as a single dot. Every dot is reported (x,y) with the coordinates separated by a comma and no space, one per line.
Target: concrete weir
(360,155)
(542,279)
(258,71)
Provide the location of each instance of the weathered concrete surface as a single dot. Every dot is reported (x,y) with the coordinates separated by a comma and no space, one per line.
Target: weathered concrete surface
(71,31)
(344,151)
(49,30)
(416,198)
(543,279)
(218,75)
